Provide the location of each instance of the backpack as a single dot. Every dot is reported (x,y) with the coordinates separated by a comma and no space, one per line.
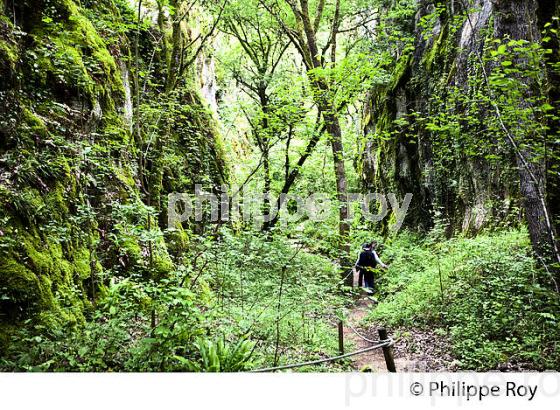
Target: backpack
(367,259)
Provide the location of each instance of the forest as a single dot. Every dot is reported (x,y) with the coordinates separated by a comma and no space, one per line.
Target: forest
(304,129)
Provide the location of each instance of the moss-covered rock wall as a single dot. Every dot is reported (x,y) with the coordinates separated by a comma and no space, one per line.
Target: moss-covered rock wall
(71,197)
(454,179)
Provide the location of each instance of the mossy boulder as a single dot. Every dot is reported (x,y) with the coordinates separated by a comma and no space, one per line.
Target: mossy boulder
(24,287)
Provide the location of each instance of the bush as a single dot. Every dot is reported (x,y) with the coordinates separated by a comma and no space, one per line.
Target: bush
(488,292)
(246,300)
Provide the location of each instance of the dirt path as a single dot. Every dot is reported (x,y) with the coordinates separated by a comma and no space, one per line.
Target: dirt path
(370,361)
(374,360)
(414,350)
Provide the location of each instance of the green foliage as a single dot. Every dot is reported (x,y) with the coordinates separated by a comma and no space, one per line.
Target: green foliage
(73,214)
(487,292)
(352,77)
(91,281)
(204,317)
(118,336)
(277,292)
(220,356)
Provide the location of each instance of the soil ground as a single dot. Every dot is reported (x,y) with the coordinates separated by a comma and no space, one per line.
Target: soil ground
(414,350)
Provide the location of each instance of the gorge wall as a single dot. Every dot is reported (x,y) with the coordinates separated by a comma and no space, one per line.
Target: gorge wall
(72,194)
(461,175)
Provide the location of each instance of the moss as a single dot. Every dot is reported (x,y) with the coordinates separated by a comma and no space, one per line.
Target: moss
(41,209)
(84,33)
(69,65)
(65,64)
(28,204)
(8,54)
(130,247)
(124,177)
(400,71)
(80,59)
(32,127)
(55,273)
(115,131)
(24,287)
(60,170)
(177,240)
(384,121)
(438,49)
(40,260)
(392,221)
(81,263)
(47,258)
(162,264)
(40,274)
(162,261)
(56,203)
(367,118)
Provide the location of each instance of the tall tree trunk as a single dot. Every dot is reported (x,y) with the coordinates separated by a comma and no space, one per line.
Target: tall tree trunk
(262,136)
(164,53)
(291,176)
(517,20)
(332,125)
(267,184)
(305,40)
(546,12)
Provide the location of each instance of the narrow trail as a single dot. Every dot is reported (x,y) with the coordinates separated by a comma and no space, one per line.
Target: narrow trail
(415,350)
(374,361)
(370,361)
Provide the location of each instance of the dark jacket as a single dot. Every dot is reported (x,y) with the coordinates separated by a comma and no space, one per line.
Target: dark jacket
(367,259)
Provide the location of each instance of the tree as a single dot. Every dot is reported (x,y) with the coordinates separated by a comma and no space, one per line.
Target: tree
(516,21)
(314,30)
(263,48)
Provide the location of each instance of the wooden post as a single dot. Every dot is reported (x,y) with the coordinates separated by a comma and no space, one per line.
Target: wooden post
(340,337)
(387,351)
(349,276)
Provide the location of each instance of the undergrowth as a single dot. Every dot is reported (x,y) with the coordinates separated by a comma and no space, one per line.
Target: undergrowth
(487,293)
(246,301)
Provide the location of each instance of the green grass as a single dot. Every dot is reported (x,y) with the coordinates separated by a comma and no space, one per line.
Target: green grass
(495,303)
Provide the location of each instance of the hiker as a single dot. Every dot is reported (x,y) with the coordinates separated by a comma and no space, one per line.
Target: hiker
(366,263)
(365,248)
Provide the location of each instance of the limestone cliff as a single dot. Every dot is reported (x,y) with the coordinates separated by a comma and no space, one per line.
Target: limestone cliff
(454,179)
(70,191)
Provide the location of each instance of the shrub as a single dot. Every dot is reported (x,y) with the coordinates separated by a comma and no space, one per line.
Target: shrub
(488,292)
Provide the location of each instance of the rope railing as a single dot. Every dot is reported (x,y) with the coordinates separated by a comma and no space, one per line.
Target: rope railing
(359,334)
(353,329)
(343,280)
(382,343)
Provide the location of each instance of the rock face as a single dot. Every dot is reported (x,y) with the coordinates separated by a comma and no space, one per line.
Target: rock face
(461,185)
(208,83)
(70,189)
